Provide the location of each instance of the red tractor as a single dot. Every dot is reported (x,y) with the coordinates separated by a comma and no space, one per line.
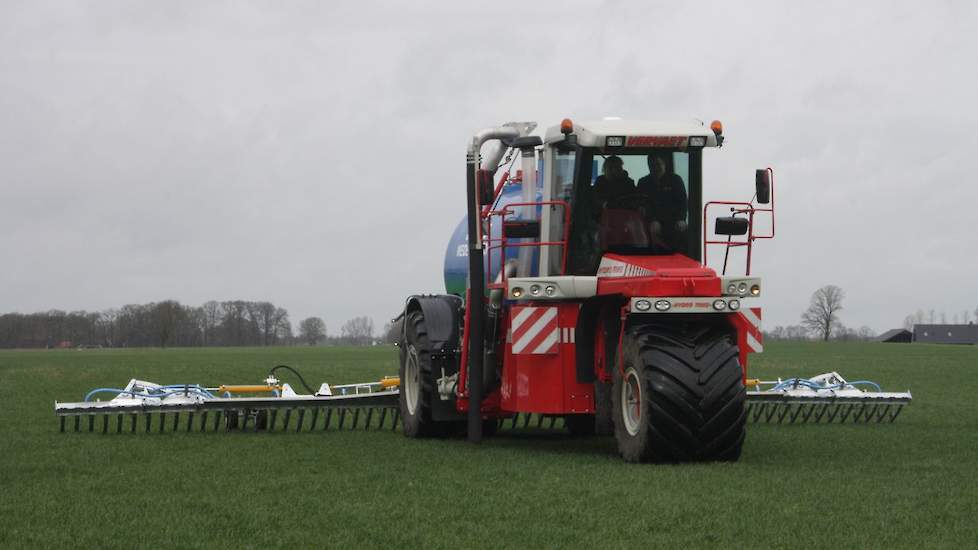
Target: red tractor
(577,289)
(588,295)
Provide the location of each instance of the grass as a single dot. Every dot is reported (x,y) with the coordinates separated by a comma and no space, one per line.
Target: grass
(909,484)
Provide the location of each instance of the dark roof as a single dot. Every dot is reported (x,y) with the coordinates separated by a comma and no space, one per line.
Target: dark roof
(895,335)
(946,334)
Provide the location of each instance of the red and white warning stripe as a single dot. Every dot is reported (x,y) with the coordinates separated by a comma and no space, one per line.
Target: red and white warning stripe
(753,318)
(535,330)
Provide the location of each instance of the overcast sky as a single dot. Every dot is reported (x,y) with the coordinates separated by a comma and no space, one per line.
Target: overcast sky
(311,154)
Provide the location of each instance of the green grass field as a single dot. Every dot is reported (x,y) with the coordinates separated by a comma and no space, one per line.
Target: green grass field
(910,484)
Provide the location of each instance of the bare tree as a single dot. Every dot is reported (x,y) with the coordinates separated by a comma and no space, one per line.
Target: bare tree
(392,333)
(269,320)
(842,333)
(108,322)
(312,330)
(212,318)
(168,313)
(917,318)
(822,314)
(359,330)
(282,330)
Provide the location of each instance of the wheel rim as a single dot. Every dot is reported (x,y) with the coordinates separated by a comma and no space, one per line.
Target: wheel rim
(631,402)
(412,380)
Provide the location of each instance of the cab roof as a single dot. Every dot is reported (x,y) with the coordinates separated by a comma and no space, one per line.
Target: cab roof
(593,133)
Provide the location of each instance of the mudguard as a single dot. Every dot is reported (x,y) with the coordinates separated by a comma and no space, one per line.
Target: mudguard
(442,316)
(443,320)
(592,311)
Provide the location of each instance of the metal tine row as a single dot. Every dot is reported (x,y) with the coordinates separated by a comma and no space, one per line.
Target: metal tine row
(801,413)
(532,420)
(350,418)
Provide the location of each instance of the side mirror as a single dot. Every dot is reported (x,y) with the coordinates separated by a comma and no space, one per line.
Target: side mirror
(731,225)
(522,230)
(762,183)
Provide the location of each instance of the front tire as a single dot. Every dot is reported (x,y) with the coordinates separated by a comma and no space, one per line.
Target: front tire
(679,395)
(418,388)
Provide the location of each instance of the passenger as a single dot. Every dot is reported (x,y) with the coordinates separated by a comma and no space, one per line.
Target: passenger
(668,201)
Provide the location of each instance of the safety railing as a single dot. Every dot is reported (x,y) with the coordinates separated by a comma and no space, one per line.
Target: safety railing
(502,243)
(747,209)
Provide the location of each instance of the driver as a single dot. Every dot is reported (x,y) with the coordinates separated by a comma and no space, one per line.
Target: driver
(613,183)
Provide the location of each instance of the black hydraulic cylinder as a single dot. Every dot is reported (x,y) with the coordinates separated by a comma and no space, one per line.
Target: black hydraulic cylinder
(476,308)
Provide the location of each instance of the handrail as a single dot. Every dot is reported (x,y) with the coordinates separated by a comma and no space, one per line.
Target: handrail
(503,243)
(750,210)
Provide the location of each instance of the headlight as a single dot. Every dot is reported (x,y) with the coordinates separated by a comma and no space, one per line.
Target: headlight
(755,290)
(517,291)
(643,305)
(662,305)
(734,305)
(731,288)
(535,290)
(550,290)
(697,141)
(742,288)
(719,305)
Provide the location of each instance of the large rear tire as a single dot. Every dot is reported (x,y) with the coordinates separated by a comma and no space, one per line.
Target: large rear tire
(418,386)
(679,396)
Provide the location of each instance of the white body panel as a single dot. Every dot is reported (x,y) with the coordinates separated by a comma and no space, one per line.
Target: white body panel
(593,133)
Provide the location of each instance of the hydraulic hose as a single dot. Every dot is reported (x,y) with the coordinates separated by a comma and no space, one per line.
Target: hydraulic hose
(295,372)
(815,386)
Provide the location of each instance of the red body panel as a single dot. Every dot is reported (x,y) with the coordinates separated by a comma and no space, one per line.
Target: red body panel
(660,286)
(670,275)
(749,338)
(539,378)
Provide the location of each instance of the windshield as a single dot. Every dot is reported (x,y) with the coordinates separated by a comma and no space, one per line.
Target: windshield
(635,202)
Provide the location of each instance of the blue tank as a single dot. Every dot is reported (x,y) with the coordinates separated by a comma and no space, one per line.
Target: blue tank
(457,254)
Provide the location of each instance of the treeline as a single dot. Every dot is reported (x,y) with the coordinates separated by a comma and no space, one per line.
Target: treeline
(931,318)
(170,323)
(167,323)
(838,333)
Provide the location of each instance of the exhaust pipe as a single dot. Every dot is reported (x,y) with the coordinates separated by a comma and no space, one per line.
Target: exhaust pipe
(477,276)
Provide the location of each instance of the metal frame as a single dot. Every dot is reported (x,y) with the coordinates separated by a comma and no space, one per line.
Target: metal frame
(738,208)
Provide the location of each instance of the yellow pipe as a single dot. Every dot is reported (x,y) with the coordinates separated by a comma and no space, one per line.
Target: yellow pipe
(752,382)
(255,388)
(390,382)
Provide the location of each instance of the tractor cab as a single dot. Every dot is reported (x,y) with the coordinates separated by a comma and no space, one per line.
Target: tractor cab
(632,188)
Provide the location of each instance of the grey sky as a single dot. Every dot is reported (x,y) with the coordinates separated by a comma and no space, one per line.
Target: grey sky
(311,153)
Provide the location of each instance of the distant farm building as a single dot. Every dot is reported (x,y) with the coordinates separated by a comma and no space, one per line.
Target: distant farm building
(897,335)
(946,334)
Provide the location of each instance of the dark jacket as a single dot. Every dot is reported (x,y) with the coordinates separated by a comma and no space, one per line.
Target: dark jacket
(608,189)
(668,202)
